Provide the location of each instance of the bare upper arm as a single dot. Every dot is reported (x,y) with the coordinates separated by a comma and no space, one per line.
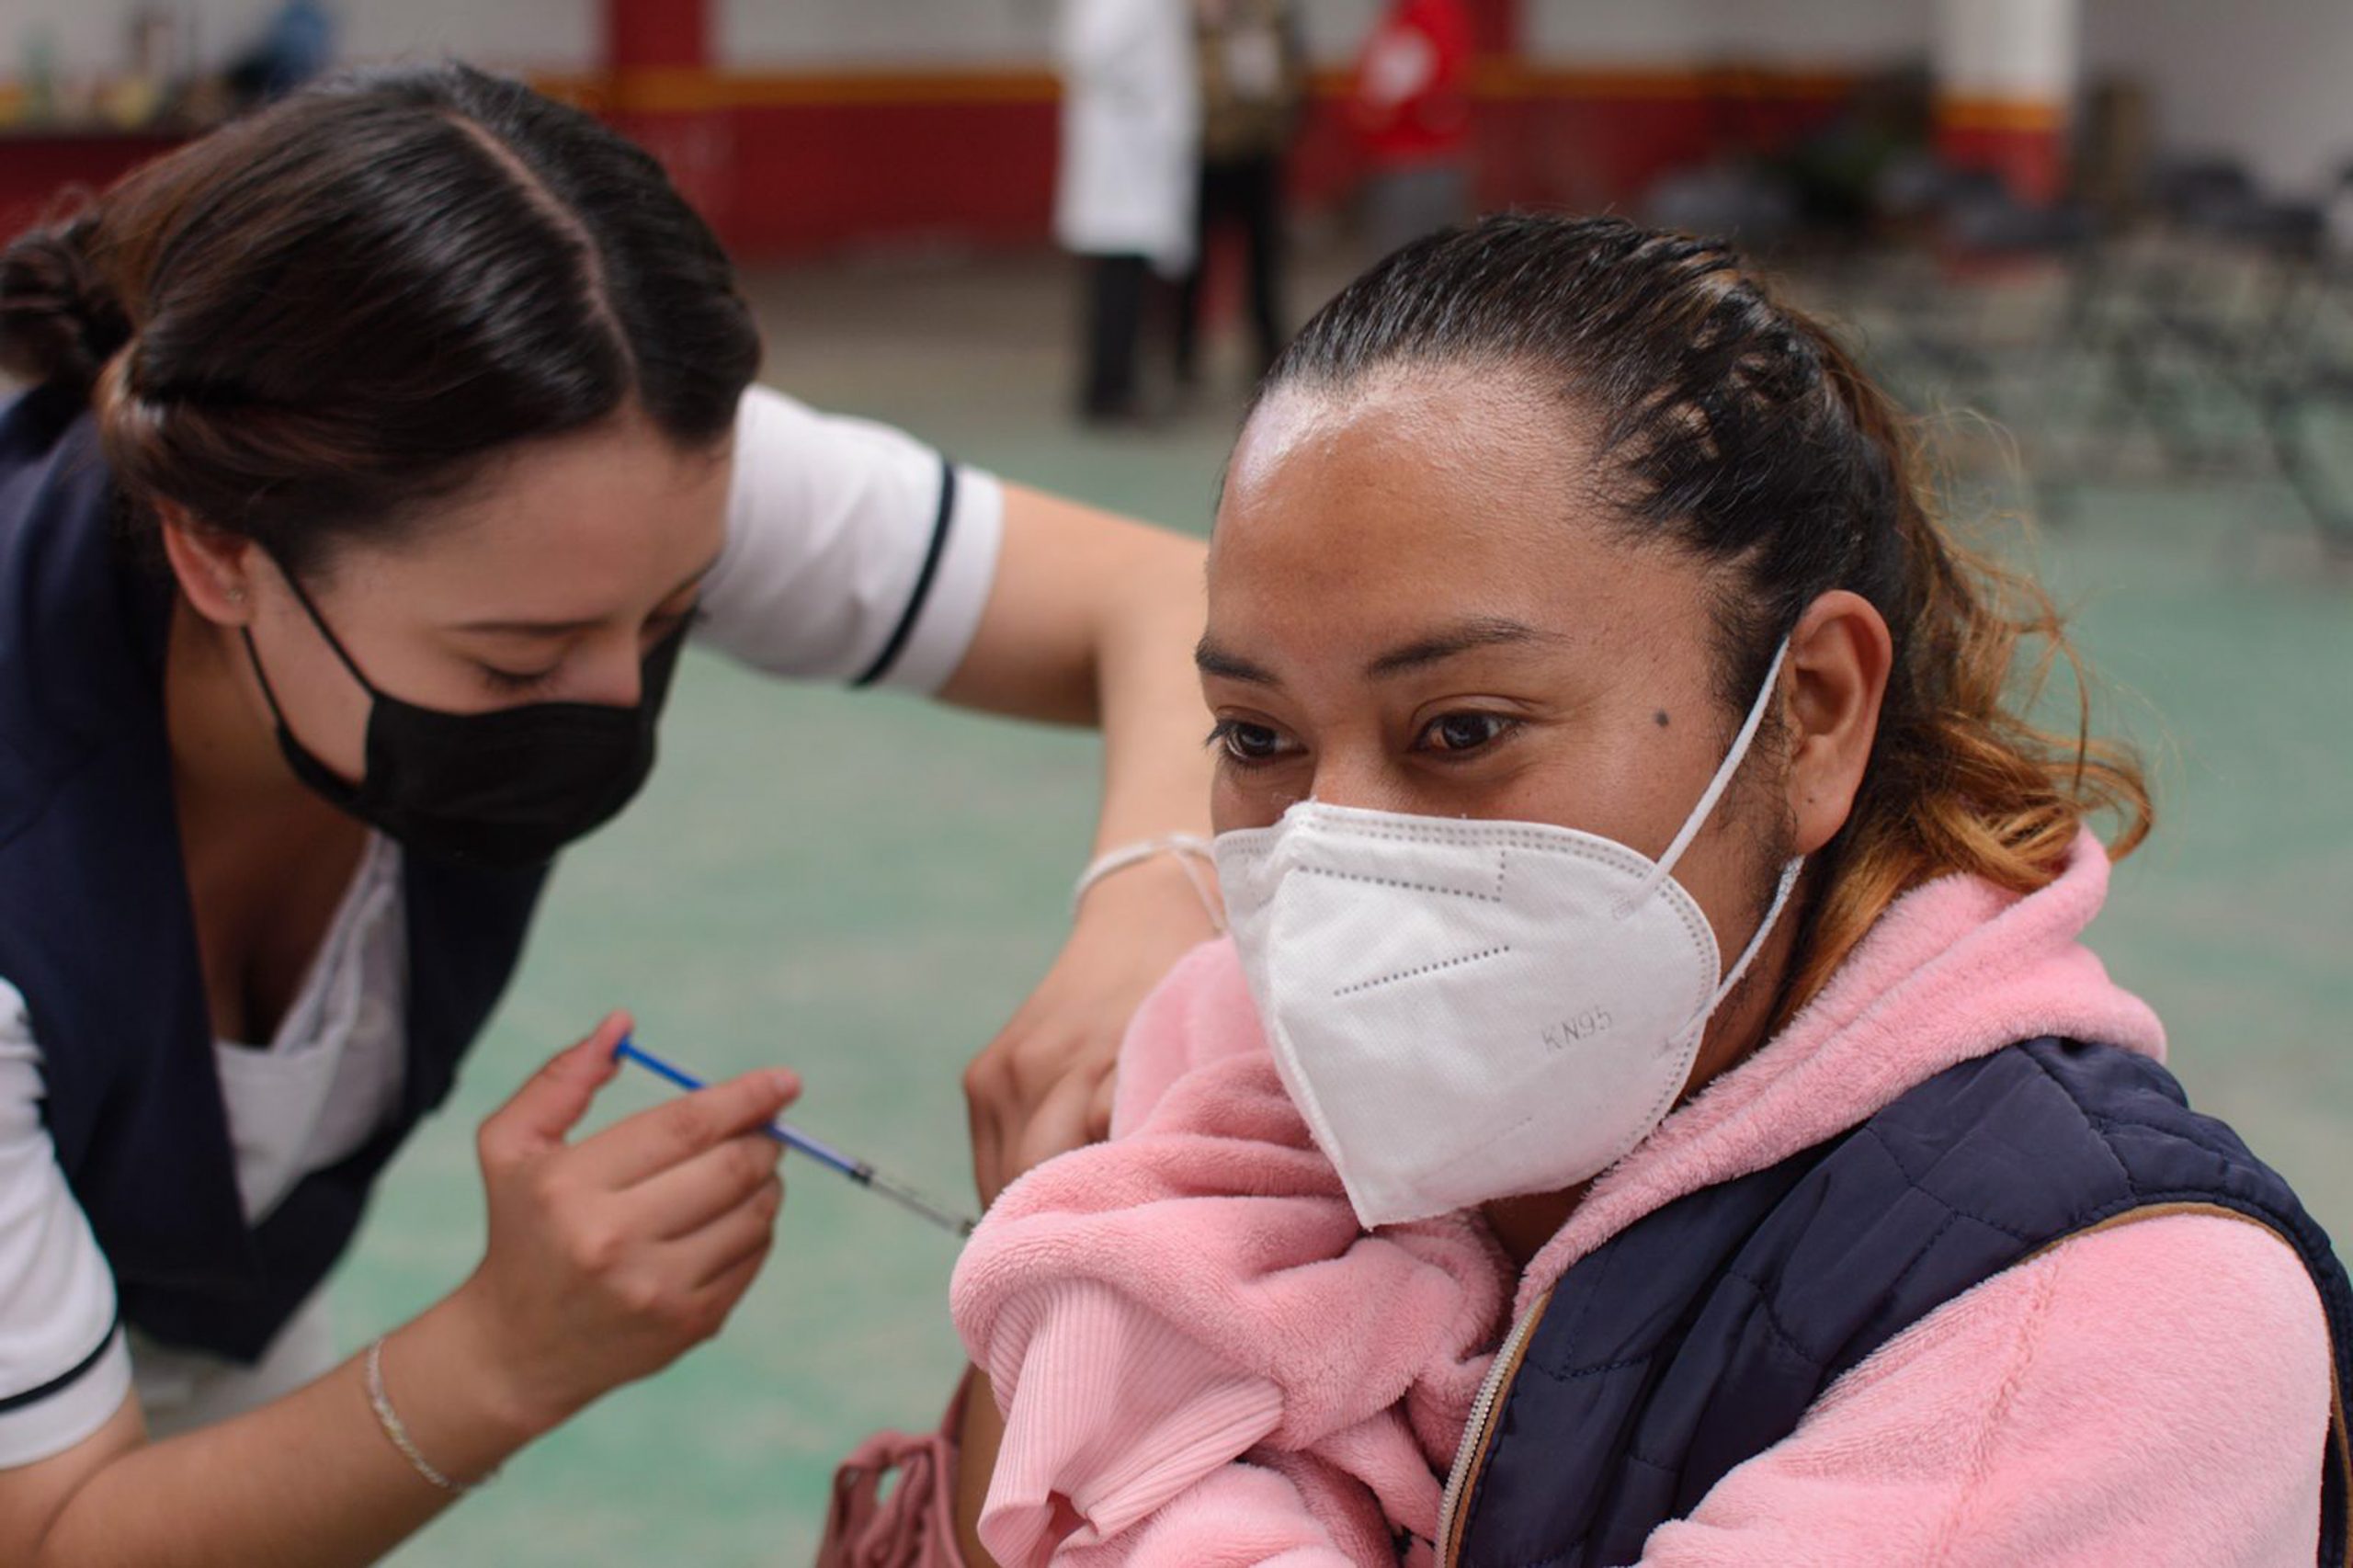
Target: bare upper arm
(33,1497)
(1067,574)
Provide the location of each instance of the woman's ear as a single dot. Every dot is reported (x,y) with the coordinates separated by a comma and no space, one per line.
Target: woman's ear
(215,568)
(1837,668)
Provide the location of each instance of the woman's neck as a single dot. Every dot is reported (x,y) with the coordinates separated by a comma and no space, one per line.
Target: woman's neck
(1523,1224)
(266,860)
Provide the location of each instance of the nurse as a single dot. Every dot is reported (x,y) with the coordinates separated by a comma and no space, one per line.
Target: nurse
(382,451)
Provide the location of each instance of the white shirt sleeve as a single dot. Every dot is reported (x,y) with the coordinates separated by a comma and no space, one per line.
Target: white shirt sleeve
(64,1366)
(853,551)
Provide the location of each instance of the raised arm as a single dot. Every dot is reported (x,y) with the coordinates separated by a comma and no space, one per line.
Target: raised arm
(857,554)
(1092,619)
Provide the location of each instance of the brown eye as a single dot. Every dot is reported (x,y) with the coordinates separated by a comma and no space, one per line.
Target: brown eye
(1451,732)
(1247,744)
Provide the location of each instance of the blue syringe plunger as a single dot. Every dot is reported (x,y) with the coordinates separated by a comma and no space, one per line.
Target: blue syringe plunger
(858,1171)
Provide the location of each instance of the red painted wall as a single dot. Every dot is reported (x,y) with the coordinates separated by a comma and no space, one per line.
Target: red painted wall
(2024,144)
(37,171)
(809,175)
(791,165)
(1592,142)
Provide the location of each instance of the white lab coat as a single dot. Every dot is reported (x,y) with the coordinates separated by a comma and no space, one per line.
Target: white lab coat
(1130,130)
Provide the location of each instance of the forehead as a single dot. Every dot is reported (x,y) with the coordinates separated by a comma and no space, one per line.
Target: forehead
(559,528)
(1427,496)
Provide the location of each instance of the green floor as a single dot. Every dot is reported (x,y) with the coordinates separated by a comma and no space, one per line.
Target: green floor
(865,887)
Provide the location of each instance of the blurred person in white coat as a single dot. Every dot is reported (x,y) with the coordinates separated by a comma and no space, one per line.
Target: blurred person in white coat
(1125,190)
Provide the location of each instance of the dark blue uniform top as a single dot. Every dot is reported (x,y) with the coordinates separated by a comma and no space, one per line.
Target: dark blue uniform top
(97,932)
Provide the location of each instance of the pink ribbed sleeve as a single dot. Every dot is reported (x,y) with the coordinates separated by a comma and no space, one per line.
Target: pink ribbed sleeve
(1150,1310)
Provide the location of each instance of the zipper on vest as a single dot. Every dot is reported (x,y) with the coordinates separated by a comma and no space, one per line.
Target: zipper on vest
(1479,1430)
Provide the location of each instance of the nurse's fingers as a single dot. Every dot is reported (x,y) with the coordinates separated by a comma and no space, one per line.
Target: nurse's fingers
(740,1235)
(723,1291)
(683,1198)
(553,1101)
(670,1134)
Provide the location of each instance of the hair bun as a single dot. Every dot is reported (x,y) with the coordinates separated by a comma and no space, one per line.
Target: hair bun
(59,322)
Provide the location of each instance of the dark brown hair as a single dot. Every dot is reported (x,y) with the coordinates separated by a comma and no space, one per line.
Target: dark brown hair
(1734,427)
(307,323)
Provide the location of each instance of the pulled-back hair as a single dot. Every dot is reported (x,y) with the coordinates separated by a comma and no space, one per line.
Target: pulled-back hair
(306,325)
(1736,429)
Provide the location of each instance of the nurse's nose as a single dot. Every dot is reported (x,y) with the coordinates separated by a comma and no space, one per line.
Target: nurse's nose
(611,674)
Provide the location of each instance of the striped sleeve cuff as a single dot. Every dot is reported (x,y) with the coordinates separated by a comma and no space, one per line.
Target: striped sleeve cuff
(46,1420)
(943,610)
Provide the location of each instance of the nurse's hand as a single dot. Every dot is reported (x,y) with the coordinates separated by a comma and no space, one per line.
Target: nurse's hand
(1043,1086)
(610,1257)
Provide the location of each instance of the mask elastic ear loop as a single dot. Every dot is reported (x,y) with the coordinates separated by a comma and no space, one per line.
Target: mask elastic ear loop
(268,692)
(1716,786)
(303,599)
(1790,871)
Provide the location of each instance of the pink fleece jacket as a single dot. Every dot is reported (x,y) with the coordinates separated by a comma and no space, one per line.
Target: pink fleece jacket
(1202,1361)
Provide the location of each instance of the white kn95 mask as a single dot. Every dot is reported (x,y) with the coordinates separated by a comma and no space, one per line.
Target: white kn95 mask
(1467,1010)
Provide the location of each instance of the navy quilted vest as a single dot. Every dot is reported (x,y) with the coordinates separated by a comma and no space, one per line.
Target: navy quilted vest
(1696,1338)
(97,932)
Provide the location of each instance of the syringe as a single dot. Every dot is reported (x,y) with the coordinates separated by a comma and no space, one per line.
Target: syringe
(858,1171)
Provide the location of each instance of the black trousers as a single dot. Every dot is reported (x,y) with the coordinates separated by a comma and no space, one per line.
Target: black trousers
(1246,193)
(1116,287)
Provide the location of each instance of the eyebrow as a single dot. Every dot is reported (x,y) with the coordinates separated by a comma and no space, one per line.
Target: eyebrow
(1212,660)
(565,627)
(1463,637)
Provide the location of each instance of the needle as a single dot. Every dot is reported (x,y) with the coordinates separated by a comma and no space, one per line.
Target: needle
(858,1171)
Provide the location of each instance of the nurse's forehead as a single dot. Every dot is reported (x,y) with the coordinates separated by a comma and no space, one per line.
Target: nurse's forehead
(568,528)
(622,473)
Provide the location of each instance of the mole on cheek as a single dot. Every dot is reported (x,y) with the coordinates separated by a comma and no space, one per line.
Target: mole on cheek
(1659,717)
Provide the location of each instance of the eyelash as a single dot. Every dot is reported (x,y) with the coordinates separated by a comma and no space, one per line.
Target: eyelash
(510,683)
(522,683)
(1222,736)
(1503,724)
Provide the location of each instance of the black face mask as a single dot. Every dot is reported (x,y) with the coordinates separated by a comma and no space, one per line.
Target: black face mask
(507,788)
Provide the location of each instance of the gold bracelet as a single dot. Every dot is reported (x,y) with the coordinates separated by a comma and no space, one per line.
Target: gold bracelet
(397,1430)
